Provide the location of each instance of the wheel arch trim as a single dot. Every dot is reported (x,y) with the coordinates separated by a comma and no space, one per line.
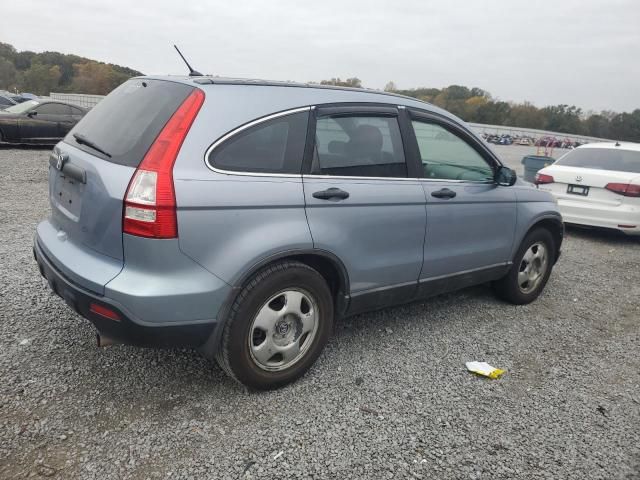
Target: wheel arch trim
(210,347)
(539,221)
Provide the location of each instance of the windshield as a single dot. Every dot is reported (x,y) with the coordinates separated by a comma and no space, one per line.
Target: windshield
(22,107)
(602,159)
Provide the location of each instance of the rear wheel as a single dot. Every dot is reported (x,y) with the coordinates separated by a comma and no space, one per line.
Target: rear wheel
(277,327)
(530,270)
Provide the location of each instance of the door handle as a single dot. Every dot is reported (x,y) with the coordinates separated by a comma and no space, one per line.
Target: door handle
(444,193)
(331,194)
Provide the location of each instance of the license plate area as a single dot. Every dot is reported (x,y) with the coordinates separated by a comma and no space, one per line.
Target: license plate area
(578,190)
(67,194)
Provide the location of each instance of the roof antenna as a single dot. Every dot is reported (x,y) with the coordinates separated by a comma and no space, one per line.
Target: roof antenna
(192,72)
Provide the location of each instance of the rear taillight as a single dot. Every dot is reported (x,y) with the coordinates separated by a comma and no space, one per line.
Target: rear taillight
(150,201)
(543,178)
(626,189)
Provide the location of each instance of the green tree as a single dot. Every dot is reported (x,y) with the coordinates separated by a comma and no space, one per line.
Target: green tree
(96,78)
(390,87)
(40,79)
(626,126)
(597,125)
(563,118)
(493,113)
(526,115)
(353,82)
(8,74)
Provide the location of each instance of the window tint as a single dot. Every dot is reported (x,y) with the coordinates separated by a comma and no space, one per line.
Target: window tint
(127,121)
(53,109)
(76,111)
(360,146)
(602,159)
(446,156)
(275,146)
(5,101)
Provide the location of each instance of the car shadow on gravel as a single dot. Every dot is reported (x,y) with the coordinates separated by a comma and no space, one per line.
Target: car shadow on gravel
(601,234)
(186,370)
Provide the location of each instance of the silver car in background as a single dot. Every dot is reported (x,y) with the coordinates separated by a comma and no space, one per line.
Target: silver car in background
(244,217)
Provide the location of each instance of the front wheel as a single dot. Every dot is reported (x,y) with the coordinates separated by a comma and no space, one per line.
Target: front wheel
(277,327)
(530,270)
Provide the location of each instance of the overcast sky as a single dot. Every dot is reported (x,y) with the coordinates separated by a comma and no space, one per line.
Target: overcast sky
(582,52)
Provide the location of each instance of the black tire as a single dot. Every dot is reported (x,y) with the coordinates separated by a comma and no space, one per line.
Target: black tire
(234,352)
(508,287)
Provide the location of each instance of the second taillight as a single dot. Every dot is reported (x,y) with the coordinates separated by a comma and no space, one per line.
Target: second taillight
(626,189)
(150,201)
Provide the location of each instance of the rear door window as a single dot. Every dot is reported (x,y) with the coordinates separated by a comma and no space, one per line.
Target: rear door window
(272,146)
(53,109)
(359,145)
(129,119)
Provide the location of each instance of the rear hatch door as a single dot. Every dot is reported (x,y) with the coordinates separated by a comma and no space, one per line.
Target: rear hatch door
(91,168)
(586,185)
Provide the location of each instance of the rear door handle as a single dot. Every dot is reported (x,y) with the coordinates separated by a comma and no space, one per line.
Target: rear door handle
(444,193)
(331,194)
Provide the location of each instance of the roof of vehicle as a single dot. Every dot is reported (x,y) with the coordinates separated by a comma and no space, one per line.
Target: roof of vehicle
(381,96)
(614,145)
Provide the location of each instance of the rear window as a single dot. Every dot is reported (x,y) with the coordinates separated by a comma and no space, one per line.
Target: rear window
(602,159)
(273,146)
(128,120)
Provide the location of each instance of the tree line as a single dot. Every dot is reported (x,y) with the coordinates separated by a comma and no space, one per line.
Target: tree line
(46,72)
(478,106)
(42,73)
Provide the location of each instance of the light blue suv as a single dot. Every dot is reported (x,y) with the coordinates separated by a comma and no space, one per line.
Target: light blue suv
(244,217)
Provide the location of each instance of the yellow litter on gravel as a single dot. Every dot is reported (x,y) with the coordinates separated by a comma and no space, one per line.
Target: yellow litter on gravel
(484,369)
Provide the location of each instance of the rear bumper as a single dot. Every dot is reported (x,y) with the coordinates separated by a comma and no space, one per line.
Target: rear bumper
(127,329)
(624,218)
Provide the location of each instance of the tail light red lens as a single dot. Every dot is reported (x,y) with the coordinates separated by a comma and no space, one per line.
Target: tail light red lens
(626,189)
(150,201)
(541,178)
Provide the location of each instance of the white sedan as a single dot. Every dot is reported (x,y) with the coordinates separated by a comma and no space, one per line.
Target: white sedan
(597,184)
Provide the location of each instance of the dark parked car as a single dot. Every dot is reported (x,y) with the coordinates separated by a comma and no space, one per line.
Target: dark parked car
(6,101)
(42,122)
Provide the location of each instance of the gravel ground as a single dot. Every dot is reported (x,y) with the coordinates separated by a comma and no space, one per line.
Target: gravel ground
(389,398)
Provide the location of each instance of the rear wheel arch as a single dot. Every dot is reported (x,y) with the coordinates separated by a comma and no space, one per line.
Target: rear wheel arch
(329,266)
(326,263)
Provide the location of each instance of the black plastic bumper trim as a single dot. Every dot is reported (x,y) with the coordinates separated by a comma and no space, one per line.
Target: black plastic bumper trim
(125,330)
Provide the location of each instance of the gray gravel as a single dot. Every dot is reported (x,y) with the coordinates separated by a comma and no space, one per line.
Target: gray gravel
(389,398)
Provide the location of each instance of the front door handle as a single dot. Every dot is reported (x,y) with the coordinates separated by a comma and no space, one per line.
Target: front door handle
(331,194)
(444,193)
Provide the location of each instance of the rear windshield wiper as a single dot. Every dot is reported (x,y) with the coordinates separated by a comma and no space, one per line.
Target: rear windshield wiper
(85,141)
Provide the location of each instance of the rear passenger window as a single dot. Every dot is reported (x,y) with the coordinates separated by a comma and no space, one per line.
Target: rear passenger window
(53,109)
(359,146)
(274,146)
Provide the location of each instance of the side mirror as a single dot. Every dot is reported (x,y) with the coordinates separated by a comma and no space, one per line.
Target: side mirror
(505,176)
(32,114)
